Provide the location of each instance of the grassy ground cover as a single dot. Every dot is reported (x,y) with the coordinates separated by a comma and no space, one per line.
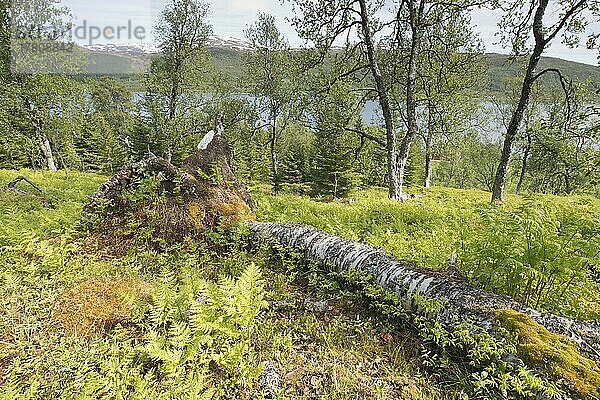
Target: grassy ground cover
(192,321)
(81,324)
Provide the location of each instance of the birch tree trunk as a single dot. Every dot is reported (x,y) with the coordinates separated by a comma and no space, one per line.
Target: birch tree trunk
(394,175)
(543,37)
(44,143)
(427,182)
(524,165)
(415,11)
(462,301)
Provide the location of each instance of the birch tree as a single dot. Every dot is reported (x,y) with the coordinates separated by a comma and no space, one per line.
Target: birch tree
(564,155)
(371,34)
(271,79)
(530,27)
(44,20)
(5,59)
(451,69)
(175,75)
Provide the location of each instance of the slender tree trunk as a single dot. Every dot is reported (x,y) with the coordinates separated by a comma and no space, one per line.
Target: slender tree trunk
(411,103)
(173,102)
(44,143)
(5,53)
(174,87)
(427,182)
(524,165)
(517,117)
(394,176)
(273,148)
(428,138)
(568,182)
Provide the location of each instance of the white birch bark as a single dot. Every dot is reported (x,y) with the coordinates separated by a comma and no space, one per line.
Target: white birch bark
(464,302)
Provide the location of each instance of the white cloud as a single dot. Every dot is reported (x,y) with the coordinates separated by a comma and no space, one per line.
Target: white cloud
(231,17)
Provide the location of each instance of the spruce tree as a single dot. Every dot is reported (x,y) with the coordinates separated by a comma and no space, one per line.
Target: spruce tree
(333,173)
(297,157)
(5,58)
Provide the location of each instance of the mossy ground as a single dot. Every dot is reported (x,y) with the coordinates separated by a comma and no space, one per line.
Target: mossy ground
(96,305)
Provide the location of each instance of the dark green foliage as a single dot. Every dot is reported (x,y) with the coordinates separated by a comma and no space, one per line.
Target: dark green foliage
(467,162)
(89,125)
(5,56)
(414,167)
(106,139)
(333,173)
(371,160)
(297,159)
(565,157)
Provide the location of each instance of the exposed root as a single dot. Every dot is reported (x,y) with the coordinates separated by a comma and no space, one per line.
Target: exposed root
(154,200)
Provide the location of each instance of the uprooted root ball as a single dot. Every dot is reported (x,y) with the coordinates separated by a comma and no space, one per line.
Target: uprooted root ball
(155,201)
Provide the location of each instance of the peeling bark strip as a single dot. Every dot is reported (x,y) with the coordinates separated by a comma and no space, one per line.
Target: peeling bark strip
(464,302)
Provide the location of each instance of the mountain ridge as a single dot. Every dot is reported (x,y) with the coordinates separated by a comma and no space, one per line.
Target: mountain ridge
(131,59)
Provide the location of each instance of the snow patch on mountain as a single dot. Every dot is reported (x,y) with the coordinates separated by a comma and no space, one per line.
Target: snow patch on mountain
(229,43)
(142,49)
(128,49)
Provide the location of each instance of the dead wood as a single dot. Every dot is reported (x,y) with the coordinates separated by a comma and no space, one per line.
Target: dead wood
(460,301)
(12,186)
(463,301)
(185,201)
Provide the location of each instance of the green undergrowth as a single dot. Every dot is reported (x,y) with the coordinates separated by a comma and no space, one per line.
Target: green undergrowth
(193,320)
(24,216)
(532,247)
(471,363)
(203,331)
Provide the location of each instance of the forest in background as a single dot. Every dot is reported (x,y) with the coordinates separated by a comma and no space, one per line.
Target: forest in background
(284,128)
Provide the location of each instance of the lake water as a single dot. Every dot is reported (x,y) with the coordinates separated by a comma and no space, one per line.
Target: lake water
(488,124)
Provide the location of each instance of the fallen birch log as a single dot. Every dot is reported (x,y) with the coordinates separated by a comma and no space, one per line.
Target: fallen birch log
(463,302)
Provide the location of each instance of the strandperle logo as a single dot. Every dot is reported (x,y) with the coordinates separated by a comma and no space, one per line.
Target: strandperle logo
(57,44)
(83,33)
(92,33)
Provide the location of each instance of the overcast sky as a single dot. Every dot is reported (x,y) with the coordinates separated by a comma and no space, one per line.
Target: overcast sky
(229,18)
